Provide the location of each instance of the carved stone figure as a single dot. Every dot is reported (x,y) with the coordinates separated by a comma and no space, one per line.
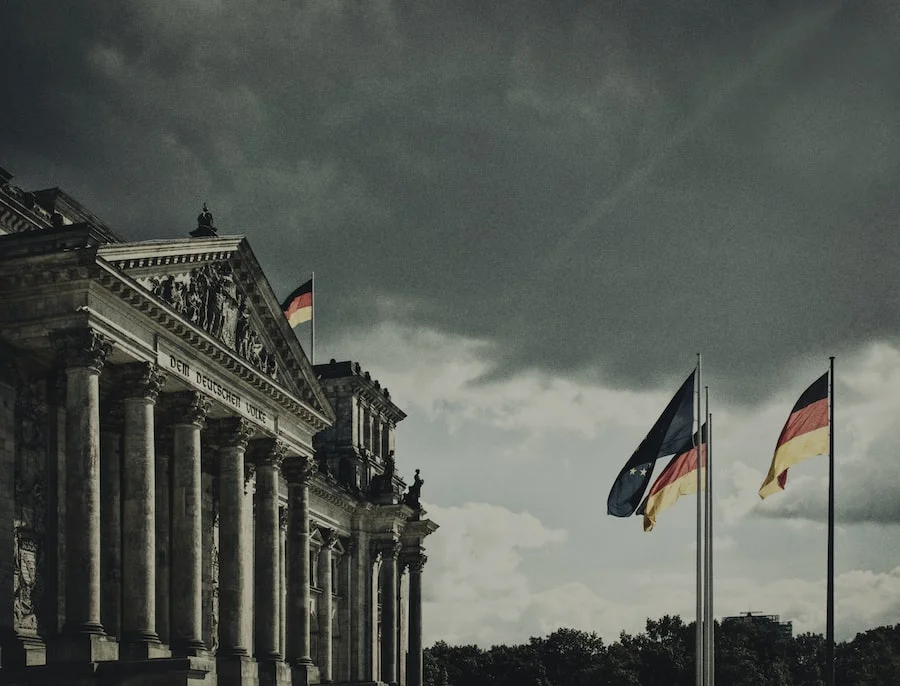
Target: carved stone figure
(413,492)
(209,297)
(206,227)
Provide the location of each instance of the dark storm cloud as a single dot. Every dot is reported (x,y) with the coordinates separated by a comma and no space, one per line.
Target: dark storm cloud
(597,187)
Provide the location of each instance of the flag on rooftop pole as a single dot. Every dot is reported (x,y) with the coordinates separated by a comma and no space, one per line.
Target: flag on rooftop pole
(805,435)
(298,306)
(670,434)
(677,479)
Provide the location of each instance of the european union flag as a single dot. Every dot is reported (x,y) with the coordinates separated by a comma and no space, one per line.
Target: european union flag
(671,434)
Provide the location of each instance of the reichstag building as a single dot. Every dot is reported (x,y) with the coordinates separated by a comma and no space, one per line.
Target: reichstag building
(184,498)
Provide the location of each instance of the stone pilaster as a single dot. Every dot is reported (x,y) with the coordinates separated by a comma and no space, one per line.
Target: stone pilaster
(390,551)
(111,518)
(268,455)
(188,412)
(84,351)
(415,564)
(326,607)
(141,384)
(232,436)
(298,472)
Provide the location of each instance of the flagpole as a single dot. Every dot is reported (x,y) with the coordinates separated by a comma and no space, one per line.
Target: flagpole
(312,320)
(699,652)
(829,602)
(710,646)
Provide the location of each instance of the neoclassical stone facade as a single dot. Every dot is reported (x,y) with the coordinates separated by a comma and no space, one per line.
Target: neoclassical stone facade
(183,497)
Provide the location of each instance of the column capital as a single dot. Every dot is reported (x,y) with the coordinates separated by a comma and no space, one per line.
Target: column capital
(82,347)
(230,432)
(415,562)
(267,452)
(329,537)
(187,408)
(140,380)
(386,548)
(298,470)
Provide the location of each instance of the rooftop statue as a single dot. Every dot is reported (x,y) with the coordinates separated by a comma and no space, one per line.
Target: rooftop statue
(411,497)
(206,227)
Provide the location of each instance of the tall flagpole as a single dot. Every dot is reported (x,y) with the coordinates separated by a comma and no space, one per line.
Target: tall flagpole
(312,321)
(829,602)
(710,645)
(699,652)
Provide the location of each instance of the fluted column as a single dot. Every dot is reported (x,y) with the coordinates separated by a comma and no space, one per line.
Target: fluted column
(84,351)
(232,436)
(414,658)
(298,472)
(188,413)
(141,383)
(268,455)
(390,551)
(326,635)
(111,519)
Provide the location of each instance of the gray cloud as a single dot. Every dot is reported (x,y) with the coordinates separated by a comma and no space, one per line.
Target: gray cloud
(598,189)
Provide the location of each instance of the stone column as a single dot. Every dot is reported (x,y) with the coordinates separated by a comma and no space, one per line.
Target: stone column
(414,657)
(141,383)
(390,550)
(298,471)
(188,412)
(84,351)
(326,635)
(163,511)
(232,436)
(111,519)
(268,455)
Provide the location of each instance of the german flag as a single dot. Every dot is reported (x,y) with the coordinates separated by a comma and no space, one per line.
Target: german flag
(677,479)
(298,306)
(804,435)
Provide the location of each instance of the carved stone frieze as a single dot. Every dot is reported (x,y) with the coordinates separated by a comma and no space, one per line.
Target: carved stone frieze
(27,584)
(209,297)
(141,380)
(82,347)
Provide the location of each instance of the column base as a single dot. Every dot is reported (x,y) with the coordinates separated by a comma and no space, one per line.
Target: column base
(189,648)
(178,671)
(82,647)
(273,672)
(304,674)
(236,670)
(144,650)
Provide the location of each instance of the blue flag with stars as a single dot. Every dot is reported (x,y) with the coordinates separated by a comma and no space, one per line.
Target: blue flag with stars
(671,434)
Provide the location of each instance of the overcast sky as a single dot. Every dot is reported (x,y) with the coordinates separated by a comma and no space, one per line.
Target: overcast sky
(526,218)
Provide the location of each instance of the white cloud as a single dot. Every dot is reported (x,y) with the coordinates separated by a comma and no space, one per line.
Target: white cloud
(439,375)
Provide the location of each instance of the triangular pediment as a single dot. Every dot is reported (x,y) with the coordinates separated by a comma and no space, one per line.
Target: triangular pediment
(217,285)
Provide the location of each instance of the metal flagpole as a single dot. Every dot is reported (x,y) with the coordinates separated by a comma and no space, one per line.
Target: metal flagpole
(710,645)
(829,601)
(312,320)
(699,652)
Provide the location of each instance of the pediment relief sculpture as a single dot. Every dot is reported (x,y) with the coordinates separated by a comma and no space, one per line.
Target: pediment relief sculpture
(209,297)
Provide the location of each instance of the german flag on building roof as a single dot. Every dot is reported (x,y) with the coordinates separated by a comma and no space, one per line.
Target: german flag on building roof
(677,479)
(298,306)
(804,435)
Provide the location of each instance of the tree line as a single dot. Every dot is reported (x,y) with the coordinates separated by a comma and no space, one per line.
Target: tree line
(748,653)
